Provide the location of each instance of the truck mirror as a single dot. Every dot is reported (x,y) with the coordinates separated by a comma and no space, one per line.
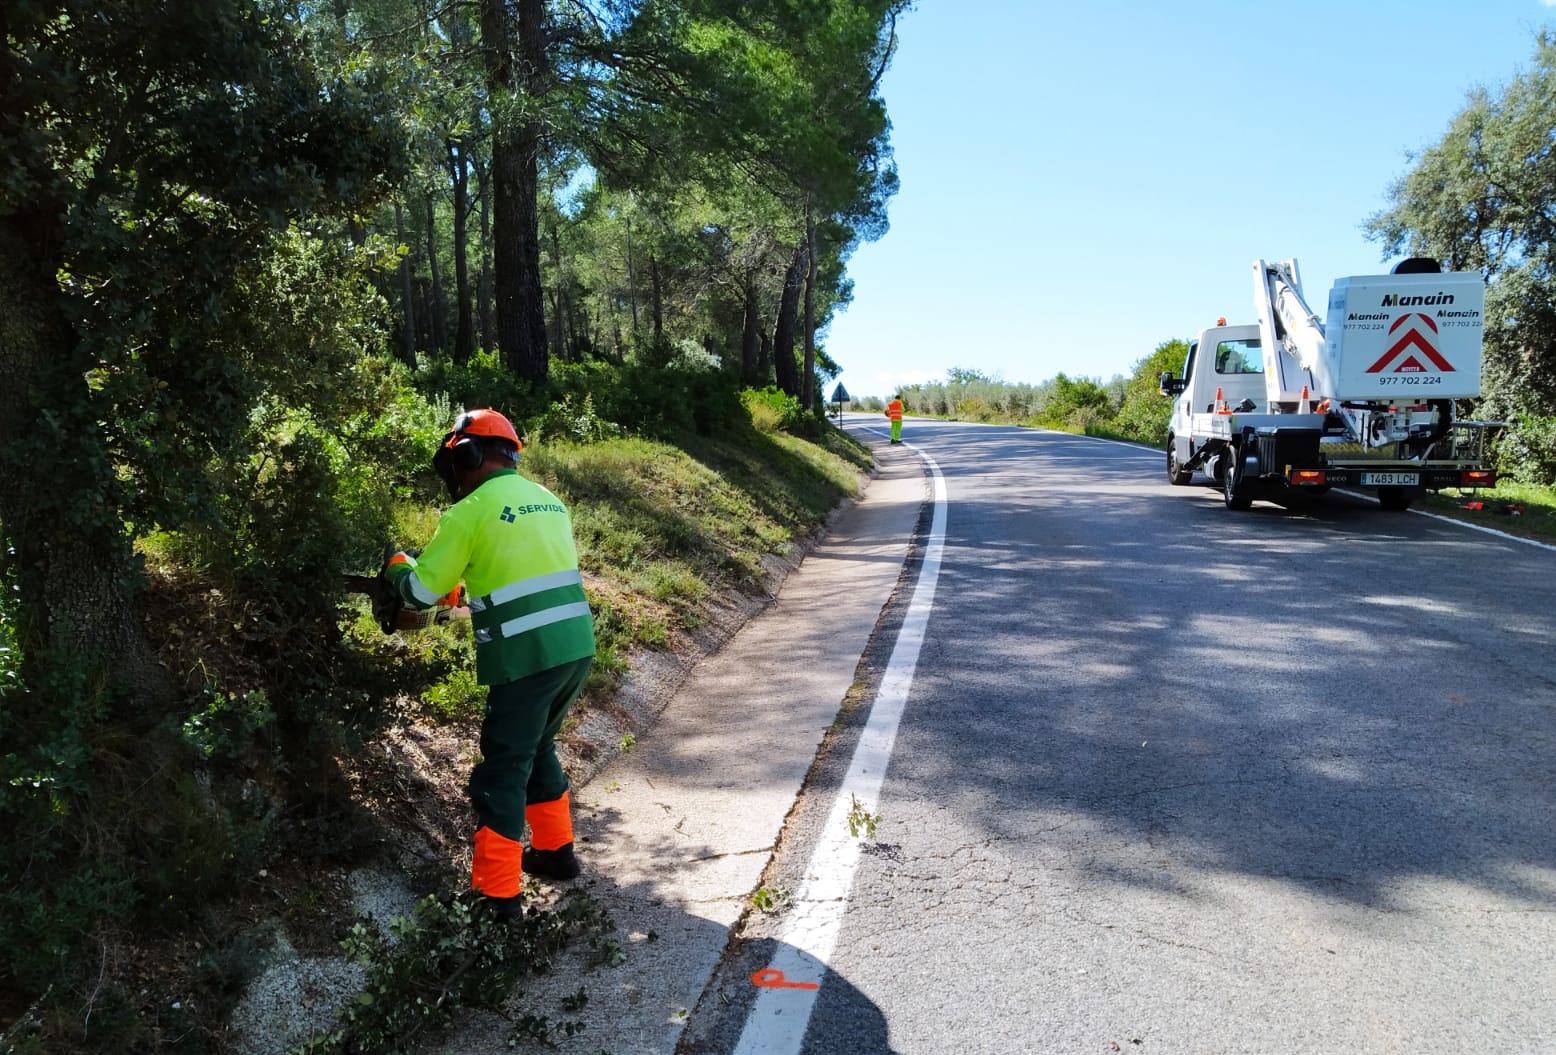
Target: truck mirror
(1164,384)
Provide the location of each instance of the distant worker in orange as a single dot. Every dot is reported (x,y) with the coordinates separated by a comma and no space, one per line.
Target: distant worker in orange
(894,411)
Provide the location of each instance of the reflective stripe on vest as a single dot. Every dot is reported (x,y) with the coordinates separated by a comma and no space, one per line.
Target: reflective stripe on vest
(534,621)
(524,587)
(520,607)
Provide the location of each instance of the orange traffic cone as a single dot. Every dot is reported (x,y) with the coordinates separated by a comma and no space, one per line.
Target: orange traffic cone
(1302,404)
(1221,407)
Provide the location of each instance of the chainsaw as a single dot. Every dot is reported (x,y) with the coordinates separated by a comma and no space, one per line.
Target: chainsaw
(389,609)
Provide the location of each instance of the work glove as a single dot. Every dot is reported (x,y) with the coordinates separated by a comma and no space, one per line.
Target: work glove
(391,612)
(387,603)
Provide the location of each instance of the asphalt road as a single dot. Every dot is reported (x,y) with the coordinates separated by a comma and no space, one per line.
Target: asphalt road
(1175,779)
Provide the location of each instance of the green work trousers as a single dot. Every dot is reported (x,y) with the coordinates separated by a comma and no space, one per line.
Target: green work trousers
(896,431)
(518,746)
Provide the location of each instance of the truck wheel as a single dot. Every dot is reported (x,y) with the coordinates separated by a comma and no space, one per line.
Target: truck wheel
(1395,499)
(1234,484)
(1176,474)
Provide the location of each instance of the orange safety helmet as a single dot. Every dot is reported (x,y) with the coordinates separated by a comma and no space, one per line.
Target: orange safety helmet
(486,423)
(464,447)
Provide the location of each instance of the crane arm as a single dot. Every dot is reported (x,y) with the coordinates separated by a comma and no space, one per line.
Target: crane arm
(1291,334)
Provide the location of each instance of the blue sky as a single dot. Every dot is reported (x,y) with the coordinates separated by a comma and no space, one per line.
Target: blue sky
(1083,181)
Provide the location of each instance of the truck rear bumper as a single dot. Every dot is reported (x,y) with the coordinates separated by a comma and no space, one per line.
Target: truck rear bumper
(1296,457)
(1428,477)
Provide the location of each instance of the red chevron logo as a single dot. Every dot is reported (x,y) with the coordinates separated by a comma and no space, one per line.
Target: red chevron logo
(1412,338)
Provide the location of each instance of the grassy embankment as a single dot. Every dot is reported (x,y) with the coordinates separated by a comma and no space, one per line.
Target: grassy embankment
(660,528)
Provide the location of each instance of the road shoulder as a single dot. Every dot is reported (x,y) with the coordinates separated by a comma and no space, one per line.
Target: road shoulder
(675,834)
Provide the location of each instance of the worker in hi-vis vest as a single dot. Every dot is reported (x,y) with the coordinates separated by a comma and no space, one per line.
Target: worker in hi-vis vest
(511,541)
(894,411)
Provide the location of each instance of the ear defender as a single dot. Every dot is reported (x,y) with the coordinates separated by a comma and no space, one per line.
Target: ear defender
(457,453)
(469,453)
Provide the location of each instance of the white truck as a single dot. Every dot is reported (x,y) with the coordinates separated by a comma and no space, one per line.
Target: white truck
(1294,406)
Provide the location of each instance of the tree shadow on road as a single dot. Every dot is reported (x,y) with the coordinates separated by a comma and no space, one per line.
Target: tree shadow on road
(1341,699)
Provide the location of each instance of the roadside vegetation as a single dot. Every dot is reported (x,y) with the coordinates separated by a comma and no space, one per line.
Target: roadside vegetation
(1129,408)
(255,255)
(1518,509)
(152,826)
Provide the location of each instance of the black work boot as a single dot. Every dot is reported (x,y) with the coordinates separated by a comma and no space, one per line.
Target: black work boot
(505,909)
(557,865)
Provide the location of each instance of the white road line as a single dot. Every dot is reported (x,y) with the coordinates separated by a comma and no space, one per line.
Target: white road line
(780,1015)
(1487,530)
(1453,520)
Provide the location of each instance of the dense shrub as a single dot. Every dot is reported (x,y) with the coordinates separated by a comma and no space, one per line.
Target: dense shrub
(1528,451)
(1128,407)
(692,393)
(483,381)
(1145,413)
(160,807)
(974,408)
(576,420)
(664,390)
(1071,403)
(1017,403)
(772,410)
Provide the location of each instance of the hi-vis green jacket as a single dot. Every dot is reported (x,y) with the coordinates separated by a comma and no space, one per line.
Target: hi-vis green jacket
(511,541)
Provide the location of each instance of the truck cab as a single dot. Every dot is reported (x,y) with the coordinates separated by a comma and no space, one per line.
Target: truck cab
(1232,363)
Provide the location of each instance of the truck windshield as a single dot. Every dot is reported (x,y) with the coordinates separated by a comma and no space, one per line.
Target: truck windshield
(1239,357)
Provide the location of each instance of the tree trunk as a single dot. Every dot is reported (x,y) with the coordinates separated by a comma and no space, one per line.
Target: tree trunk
(558,310)
(581,329)
(484,285)
(750,335)
(764,360)
(424,336)
(521,319)
(439,325)
(407,293)
(464,324)
(808,378)
(632,282)
(73,568)
(459,180)
(659,296)
(783,328)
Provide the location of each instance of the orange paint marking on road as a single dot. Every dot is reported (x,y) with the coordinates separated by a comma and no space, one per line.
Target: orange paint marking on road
(772,978)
